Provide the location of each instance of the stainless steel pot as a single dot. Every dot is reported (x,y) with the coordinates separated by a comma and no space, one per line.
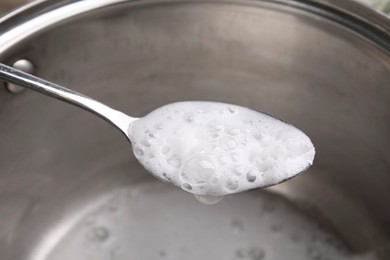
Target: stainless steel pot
(323,65)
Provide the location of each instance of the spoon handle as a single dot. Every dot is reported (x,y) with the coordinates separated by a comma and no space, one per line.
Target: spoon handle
(116,118)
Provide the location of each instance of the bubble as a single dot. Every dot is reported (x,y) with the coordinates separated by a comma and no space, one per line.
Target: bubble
(232,183)
(227,143)
(214,136)
(251,176)
(258,136)
(208,199)
(138,151)
(215,127)
(100,234)
(234,131)
(153,135)
(146,143)
(197,170)
(189,118)
(166,176)
(187,186)
(175,161)
(262,166)
(232,110)
(249,122)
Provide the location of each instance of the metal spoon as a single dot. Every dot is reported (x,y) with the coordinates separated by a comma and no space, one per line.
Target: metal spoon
(200,180)
(114,117)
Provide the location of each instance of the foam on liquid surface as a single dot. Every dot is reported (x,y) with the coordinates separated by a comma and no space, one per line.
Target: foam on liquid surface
(214,149)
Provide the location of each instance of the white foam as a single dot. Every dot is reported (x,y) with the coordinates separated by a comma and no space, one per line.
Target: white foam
(214,149)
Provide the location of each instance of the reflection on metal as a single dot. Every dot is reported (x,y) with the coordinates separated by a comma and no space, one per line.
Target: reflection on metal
(22,65)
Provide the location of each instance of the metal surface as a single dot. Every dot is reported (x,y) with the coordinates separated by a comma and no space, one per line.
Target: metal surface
(323,65)
(20,78)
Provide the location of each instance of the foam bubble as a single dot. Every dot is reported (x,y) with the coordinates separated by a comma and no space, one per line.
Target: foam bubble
(214,149)
(208,199)
(100,234)
(187,186)
(146,143)
(198,171)
(174,161)
(232,110)
(215,127)
(232,183)
(227,144)
(189,118)
(233,131)
(251,176)
(138,151)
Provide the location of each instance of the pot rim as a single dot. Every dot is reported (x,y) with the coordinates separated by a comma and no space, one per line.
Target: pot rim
(31,18)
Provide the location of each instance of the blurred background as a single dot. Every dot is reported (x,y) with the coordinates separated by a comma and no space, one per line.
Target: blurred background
(6,5)
(380,5)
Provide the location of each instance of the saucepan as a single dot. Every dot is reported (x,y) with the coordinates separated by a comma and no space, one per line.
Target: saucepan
(70,188)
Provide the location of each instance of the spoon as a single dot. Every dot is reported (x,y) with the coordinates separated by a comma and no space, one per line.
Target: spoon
(209,149)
